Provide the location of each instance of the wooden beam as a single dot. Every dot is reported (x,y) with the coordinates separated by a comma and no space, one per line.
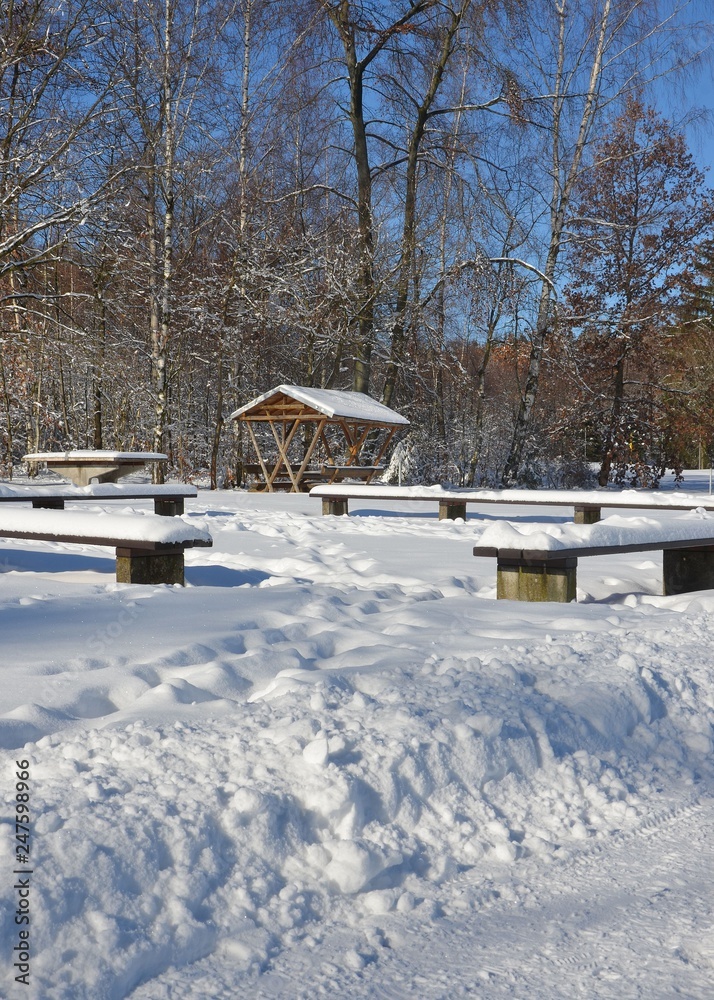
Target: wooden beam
(325,441)
(310,450)
(354,440)
(388,438)
(279,408)
(283,447)
(360,440)
(266,474)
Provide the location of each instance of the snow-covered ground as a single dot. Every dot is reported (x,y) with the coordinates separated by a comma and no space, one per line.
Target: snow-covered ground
(335,766)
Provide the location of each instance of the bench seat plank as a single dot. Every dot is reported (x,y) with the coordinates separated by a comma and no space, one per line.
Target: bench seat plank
(142,530)
(549,573)
(586,504)
(676,500)
(149,547)
(550,555)
(616,532)
(168,498)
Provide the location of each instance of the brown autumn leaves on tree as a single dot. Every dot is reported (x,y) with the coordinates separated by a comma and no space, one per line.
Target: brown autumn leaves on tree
(641,218)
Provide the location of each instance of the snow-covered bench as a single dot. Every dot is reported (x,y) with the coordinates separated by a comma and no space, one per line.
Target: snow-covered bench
(587,504)
(149,547)
(538,562)
(168,499)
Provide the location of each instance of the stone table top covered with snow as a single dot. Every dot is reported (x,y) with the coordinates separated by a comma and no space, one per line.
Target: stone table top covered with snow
(82,466)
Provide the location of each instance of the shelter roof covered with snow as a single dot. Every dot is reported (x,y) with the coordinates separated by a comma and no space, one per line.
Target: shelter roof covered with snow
(331,403)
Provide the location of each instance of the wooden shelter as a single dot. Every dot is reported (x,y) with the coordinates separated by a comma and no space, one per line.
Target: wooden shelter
(317,435)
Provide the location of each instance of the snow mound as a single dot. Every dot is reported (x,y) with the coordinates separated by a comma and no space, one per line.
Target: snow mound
(160,844)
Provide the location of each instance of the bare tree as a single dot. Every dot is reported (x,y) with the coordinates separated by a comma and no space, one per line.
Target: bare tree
(164,50)
(50,113)
(52,108)
(364,32)
(437,56)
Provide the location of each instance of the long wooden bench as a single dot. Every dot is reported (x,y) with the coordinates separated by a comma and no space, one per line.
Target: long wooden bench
(168,498)
(149,547)
(587,505)
(535,573)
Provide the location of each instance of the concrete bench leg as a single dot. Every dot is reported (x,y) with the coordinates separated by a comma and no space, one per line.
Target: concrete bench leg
(684,570)
(163,565)
(450,511)
(518,580)
(586,515)
(169,508)
(334,506)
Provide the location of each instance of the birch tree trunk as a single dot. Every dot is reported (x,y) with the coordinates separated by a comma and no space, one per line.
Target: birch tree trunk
(164,51)
(237,272)
(162,330)
(565,169)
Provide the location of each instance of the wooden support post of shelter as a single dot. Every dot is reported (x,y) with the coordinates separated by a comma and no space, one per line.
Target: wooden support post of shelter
(317,435)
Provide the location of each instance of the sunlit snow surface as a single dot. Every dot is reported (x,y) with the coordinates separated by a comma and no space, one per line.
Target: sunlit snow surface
(335,766)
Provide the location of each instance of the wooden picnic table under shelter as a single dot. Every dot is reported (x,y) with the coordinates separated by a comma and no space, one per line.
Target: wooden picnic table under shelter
(316,435)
